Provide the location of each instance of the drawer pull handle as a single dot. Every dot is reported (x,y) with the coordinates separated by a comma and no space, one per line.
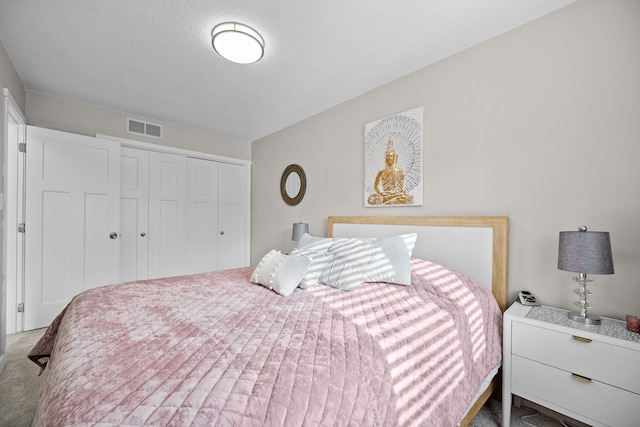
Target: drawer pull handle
(587,340)
(580,378)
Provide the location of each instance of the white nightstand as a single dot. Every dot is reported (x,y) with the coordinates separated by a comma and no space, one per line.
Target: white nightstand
(589,373)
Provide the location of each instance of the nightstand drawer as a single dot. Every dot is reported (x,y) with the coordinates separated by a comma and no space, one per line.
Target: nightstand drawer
(555,387)
(610,364)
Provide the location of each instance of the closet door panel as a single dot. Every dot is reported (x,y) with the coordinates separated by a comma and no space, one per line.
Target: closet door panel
(60,251)
(128,242)
(202,215)
(167,215)
(97,269)
(134,214)
(72,208)
(233,231)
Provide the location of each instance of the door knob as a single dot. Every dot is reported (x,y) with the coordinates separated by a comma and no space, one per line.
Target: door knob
(113,235)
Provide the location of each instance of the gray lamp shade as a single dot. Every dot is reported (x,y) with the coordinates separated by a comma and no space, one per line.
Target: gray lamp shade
(586,252)
(299,228)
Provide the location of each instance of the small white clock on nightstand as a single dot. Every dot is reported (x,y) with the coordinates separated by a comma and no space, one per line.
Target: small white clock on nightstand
(589,373)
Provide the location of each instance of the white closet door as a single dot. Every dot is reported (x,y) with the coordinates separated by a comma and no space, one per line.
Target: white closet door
(167,214)
(72,220)
(202,215)
(134,214)
(233,204)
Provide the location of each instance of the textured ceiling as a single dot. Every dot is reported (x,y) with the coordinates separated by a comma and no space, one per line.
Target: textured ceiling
(153,58)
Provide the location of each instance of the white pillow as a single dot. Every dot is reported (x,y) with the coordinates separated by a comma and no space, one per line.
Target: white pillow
(280,272)
(314,243)
(318,260)
(347,268)
(391,260)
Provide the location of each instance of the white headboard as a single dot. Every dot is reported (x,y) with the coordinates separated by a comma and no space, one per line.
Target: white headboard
(474,246)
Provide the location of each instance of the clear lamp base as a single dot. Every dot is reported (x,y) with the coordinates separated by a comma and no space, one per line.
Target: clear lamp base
(587,320)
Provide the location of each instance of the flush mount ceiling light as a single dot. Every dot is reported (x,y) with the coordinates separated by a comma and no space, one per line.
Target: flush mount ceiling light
(237,42)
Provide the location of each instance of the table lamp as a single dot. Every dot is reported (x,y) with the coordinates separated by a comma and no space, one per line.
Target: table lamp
(584,252)
(299,228)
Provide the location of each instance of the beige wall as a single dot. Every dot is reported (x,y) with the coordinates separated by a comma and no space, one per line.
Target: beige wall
(69,116)
(9,79)
(540,124)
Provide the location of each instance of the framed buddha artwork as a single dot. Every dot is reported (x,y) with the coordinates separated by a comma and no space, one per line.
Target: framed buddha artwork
(393,160)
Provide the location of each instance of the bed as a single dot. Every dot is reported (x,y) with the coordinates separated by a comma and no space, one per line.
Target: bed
(220,349)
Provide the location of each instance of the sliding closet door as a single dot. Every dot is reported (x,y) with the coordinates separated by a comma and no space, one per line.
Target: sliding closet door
(202,215)
(167,214)
(72,220)
(134,214)
(233,224)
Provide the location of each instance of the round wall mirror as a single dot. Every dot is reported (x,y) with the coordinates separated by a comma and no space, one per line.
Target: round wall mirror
(293,185)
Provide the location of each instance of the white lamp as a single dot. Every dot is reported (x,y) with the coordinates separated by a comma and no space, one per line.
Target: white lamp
(585,252)
(237,42)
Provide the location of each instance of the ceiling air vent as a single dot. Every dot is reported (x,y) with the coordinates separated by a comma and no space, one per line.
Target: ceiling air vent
(144,128)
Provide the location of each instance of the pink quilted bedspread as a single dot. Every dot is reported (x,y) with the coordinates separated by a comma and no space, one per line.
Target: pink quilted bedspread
(214,349)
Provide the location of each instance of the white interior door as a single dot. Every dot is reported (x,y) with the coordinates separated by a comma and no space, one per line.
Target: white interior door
(202,215)
(134,214)
(233,229)
(167,214)
(72,219)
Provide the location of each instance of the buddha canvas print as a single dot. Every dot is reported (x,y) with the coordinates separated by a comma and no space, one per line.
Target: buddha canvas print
(393,160)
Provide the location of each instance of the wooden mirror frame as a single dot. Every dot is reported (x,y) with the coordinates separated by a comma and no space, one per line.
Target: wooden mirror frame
(292,201)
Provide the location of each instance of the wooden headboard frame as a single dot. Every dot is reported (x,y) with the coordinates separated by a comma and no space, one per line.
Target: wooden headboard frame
(498,224)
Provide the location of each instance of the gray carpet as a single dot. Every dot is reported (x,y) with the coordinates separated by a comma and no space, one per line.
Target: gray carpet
(20,384)
(20,387)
